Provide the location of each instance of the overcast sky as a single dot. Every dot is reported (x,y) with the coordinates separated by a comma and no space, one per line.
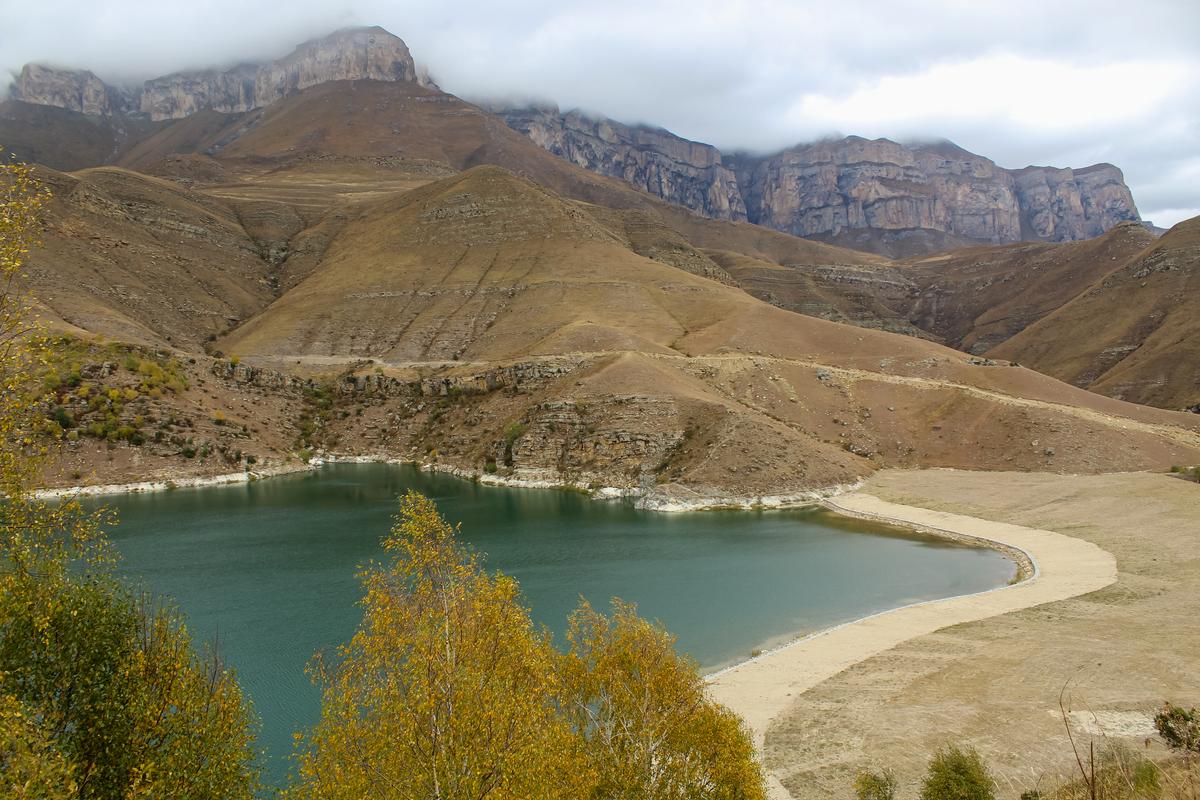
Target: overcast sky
(1061,82)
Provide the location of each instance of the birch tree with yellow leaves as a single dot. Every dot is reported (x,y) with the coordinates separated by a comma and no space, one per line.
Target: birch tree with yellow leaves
(448,691)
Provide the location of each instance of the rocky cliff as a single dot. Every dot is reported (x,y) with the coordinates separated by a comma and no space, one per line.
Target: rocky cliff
(835,186)
(878,195)
(79,91)
(1062,205)
(895,199)
(351,54)
(654,160)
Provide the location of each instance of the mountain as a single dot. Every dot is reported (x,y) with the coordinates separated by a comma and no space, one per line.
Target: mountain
(351,54)
(654,160)
(879,196)
(316,196)
(874,195)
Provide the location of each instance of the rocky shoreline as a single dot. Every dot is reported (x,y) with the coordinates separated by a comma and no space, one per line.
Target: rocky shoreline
(672,499)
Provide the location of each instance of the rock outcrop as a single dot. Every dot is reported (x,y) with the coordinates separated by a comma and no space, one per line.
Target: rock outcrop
(1062,205)
(876,195)
(79,91)
(834,186)
(351,54)
(654,160)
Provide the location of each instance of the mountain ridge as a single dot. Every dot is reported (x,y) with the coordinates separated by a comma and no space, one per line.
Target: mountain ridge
(361,53)
(920,197)
(876,195)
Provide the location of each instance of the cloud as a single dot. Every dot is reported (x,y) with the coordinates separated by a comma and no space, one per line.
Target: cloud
(1064,82)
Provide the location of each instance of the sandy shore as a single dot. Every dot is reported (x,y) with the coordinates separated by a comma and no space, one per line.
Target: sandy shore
(1062,567)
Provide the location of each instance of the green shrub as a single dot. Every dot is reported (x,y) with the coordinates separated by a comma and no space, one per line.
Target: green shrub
(875,785)
(63,417)
(513,432)
(956,774)
(1179,728)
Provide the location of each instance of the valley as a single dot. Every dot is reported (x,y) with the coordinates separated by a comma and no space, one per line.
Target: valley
(257,272)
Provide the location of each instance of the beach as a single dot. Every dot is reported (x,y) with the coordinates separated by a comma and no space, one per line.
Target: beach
(987,669)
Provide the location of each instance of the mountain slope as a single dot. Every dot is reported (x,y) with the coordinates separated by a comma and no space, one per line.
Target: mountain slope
(143,260)
(475,278)
(1133,334)
(66,140)
(975,298)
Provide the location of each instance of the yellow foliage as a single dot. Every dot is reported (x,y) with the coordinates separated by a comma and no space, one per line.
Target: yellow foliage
(31,767)
(649,729)
(448,691)
(445,690)
(99,697)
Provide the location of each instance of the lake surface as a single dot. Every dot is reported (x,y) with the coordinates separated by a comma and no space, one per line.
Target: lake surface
(269,568)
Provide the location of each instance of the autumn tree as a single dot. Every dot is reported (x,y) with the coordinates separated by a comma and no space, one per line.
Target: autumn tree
(101,694)
(875,785)
(649,729)
(445,691)
(449,691)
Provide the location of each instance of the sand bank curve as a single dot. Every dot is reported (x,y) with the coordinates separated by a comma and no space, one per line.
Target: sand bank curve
(1062,567)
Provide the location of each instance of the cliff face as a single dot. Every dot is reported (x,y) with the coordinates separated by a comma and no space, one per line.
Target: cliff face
(894,199)
(353,54)
(1062,205)
(79,91)
(681,171)
(356,54)
(831,187)
(878,195)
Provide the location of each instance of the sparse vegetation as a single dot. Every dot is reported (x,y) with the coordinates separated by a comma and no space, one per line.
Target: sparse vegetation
(511,435)
(1179,728)
(85,390)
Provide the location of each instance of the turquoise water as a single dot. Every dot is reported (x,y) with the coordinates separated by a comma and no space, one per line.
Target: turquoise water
(267,569)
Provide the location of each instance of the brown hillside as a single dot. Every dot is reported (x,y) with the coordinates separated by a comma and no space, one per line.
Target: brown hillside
(67,140)
(361,140)
(978,297)
(652,371)
(1134,333)
(143,260)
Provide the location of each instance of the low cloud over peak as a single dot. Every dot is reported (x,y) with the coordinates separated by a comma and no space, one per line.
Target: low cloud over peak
(1067,83)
